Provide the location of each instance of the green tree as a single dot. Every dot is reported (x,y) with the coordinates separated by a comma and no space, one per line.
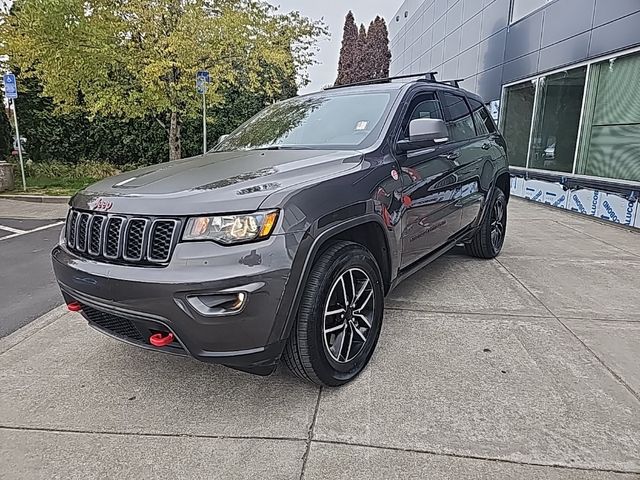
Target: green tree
(378,54)
(362,65)
(347,64)
(72,137)
(138,58)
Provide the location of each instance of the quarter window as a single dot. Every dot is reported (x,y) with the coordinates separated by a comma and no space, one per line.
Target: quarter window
(484,124)
(458,118)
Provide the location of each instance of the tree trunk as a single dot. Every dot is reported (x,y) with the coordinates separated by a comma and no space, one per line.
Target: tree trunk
(175,144)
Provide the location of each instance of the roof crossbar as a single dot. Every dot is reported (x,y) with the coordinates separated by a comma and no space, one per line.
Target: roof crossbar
(427,76)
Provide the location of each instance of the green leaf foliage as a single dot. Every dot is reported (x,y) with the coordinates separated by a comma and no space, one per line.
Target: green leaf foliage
(137,59)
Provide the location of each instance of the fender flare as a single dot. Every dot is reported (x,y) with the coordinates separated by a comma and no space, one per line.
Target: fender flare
(311,254)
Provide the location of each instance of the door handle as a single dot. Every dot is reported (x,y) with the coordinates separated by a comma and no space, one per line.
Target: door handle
(451,155)
(486,146)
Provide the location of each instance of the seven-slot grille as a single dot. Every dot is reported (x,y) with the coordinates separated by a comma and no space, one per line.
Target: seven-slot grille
(122,238)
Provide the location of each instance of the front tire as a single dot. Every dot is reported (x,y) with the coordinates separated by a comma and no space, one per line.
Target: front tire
(340,317)
(488,240)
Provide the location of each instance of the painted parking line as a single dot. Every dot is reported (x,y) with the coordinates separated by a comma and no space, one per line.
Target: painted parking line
(44,227)
(11,229)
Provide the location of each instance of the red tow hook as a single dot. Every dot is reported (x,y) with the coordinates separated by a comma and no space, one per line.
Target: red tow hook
(161,339)
(74,306)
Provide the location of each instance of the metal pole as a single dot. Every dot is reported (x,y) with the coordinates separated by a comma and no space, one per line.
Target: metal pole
(15,120)
(204,122)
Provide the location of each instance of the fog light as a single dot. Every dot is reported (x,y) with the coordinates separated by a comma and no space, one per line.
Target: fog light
(218,304)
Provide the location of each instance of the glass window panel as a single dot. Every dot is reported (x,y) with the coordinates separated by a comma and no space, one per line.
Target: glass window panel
(555,132)
(516,122)
(422,106)
(522,8)
(458,118)
(484,123)
(610,145)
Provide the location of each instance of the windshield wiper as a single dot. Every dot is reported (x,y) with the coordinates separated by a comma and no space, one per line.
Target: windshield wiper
(283,147)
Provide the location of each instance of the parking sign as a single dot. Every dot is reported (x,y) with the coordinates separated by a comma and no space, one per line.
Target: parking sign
(202,79)
(10,87)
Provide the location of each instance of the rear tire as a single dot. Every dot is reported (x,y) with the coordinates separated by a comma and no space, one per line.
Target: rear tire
(488,240)
(339,318)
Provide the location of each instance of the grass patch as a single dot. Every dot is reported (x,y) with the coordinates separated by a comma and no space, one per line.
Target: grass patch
(61,178)
(52,186)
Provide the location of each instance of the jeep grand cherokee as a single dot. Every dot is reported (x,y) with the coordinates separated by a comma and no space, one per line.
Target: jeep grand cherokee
(283,241)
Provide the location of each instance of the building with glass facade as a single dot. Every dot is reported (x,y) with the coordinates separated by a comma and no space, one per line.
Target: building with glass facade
(563,76)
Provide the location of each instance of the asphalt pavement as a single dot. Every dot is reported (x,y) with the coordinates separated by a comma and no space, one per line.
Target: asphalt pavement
(28,232)
(522,367)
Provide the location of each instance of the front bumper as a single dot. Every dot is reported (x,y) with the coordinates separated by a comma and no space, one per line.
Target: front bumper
(117,298)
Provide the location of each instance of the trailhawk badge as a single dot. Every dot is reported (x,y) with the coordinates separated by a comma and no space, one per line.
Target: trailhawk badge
(100,205)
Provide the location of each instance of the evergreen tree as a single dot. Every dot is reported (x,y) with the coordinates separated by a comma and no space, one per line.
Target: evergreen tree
(347,64)
(378,54)
(363,63)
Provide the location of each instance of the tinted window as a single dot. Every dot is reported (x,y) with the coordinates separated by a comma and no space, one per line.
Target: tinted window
(324,120)
(484,123)
(458,118)
(422,106)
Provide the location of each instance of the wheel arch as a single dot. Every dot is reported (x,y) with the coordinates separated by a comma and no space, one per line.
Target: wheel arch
(503,182)
(369,227)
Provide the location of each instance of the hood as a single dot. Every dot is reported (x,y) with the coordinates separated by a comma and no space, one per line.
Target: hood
(221,182)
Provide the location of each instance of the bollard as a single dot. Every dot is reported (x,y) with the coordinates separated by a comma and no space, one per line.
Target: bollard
(6,176)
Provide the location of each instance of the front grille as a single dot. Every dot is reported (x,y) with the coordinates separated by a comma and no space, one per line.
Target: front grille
(162,232)
(122,239)
(118,326)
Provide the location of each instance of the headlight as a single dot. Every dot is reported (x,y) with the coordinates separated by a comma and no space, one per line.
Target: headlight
(229,229)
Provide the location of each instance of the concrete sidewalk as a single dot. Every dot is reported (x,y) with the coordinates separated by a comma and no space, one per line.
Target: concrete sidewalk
(523,367)
(22,209)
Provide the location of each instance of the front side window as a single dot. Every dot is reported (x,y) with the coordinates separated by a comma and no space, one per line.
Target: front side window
(326,120)
(424,105)
(458,118)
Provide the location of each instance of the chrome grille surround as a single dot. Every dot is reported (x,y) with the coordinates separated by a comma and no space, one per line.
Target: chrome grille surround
(122,238)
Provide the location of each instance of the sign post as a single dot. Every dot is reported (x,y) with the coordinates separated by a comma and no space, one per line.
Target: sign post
(11,93)
(202,82)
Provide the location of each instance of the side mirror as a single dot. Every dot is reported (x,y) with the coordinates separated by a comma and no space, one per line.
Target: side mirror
(424,133)
(222,138)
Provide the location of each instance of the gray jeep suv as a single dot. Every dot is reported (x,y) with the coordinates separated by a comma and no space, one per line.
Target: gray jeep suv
(283,241)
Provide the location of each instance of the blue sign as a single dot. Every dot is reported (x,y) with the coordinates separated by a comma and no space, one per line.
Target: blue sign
(202,78)
(10,87)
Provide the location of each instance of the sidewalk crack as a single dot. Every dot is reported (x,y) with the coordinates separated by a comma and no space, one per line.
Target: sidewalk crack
(427,451)
(312,427)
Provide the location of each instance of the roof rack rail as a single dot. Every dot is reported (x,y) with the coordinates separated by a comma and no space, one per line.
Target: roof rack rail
(453,83)
(426,76)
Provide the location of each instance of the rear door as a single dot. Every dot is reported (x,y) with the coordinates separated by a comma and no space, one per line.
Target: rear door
(430,216)
(474,159)
(481,173)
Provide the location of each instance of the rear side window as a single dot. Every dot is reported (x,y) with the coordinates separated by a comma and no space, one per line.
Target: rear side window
(458,117)
(484,124)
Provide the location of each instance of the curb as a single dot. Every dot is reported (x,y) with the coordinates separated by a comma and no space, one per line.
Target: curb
(38,198)
(20,335)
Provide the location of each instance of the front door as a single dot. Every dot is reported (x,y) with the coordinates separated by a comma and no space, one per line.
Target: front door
(431,216)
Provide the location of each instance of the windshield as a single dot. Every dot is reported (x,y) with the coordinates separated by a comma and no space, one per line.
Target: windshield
(321,121)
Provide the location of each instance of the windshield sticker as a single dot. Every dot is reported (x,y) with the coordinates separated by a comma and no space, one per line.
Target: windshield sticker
(362,125)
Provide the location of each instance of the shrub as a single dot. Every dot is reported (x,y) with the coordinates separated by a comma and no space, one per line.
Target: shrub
(82,170)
